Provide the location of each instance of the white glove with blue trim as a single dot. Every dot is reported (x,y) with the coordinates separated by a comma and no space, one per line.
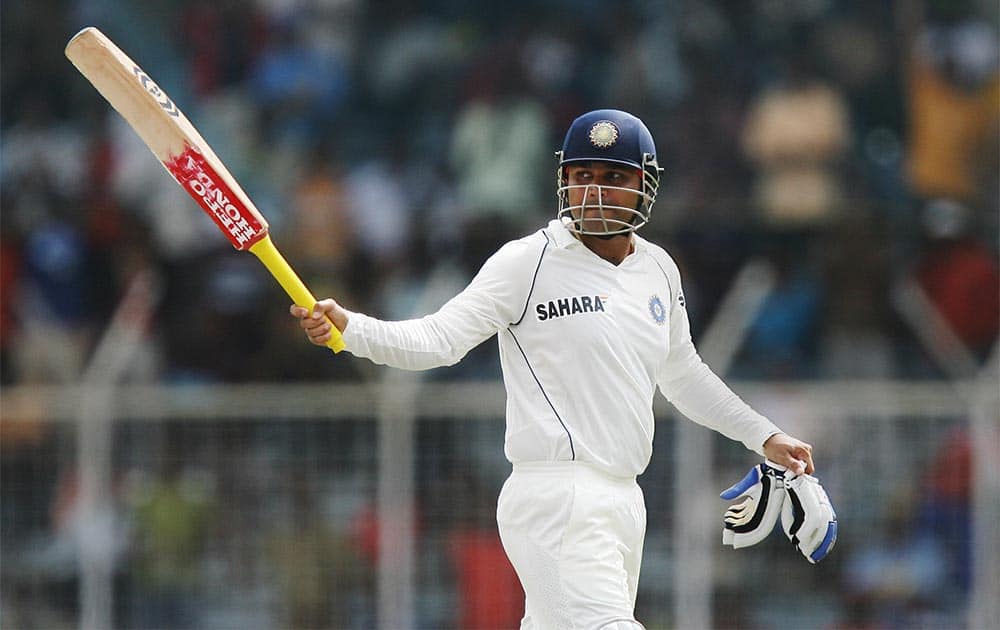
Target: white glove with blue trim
(751,520)
(771,491)
(808,518)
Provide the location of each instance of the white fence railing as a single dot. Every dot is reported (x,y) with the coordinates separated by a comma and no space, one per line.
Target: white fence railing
(908,416)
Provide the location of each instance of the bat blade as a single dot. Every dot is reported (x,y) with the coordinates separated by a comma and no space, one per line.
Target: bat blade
(184,154)
(169,135)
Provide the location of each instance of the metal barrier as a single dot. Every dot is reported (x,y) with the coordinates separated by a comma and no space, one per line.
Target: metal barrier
(293,501)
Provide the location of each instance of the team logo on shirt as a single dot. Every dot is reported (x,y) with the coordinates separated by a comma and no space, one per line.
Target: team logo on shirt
(657,310)
(570,306)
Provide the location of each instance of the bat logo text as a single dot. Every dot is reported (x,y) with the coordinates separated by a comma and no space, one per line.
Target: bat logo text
(200,180)
(216,202)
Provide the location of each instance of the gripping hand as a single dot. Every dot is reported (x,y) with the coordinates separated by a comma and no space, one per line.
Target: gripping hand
(808,517)
(752,519)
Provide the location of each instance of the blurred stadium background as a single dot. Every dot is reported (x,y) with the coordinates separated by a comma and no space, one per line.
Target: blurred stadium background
(175,455)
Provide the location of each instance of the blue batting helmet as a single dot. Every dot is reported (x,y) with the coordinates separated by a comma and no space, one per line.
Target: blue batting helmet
(610,135)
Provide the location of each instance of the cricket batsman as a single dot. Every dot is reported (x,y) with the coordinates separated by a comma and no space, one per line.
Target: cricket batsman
(590,320)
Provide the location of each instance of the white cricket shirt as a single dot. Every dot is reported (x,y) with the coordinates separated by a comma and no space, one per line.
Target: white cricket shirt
(583,346)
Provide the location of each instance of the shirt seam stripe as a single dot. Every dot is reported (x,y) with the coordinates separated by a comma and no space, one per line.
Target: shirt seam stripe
(531,289)
(670,290)
(569,435)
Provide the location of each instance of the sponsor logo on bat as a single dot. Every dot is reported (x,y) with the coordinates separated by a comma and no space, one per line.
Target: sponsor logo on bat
(154,90)
(202,182)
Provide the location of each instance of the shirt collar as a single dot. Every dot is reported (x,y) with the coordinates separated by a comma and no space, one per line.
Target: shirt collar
(563,238)
(560,234)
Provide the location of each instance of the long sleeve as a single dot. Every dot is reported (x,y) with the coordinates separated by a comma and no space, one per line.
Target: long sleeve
(494,299)
(698,393)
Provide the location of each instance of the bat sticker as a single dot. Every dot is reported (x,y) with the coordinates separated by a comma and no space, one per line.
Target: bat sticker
(196,175)
(161,97)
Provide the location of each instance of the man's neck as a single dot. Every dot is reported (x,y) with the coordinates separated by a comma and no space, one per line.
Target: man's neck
(614,250)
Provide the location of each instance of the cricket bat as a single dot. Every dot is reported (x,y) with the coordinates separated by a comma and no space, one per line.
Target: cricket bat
(186,156)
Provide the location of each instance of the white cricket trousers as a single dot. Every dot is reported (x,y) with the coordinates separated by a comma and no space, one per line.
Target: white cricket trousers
(574,535)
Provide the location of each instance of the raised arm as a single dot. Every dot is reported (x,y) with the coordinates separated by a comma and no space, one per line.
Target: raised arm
(493,300)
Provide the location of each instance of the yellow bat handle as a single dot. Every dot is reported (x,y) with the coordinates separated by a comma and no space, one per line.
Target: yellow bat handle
(268,254)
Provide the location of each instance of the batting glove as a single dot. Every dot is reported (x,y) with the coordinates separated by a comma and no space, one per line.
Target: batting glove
(808,517)
(751,520)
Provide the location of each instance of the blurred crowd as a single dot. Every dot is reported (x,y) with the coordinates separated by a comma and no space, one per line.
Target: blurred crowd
(393,146)
(852,145)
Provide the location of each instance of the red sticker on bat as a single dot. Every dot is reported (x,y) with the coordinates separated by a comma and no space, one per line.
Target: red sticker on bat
(202,182)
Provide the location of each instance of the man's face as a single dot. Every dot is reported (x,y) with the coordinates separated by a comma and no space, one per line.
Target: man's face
(601,192)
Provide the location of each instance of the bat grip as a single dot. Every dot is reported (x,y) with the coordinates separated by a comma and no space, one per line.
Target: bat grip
(268,254)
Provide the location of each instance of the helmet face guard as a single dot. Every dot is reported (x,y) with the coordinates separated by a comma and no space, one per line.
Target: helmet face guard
(616,137)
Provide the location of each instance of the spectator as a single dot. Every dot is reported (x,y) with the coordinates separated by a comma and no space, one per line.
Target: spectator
(946,509)
(172,515)
(896,577)
(321,226)
(297,88)
(315,568)
(490,595)
(380,208)
(781,341)
(796,134)
(856,323)
(953,98)
(52,304)
(959,274)
(10,272)
(500,144)
(222,40)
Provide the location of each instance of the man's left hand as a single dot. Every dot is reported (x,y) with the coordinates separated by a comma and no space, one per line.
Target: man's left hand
(790,452)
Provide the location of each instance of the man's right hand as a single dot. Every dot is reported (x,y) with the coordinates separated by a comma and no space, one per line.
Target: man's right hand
(316,326)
